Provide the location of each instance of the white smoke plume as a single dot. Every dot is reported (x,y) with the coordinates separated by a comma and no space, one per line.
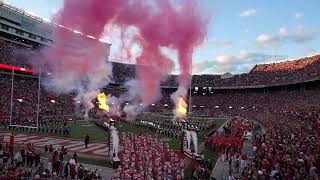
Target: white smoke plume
(114,104)
(85,98)
(74,64)
(131,111)
(134,104)
(90,87)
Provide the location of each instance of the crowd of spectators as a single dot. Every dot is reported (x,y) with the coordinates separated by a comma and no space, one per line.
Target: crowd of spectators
(291,146)
(54,110)
(229,141)
(62,168)
(286,72)
(10,54)
(25,162)
(230,136)
(290,149)
(200,168)
(144,157)
(25,102)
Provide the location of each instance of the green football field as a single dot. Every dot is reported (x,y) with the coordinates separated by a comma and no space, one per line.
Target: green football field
(79,129)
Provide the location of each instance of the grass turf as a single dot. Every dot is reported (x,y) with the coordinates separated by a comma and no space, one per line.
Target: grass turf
(78,130)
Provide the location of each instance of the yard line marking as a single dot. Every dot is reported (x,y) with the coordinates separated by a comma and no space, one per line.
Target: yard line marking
(54,141)
(40,140)
(74,144)
(102,152)
(80,147)
(94,147)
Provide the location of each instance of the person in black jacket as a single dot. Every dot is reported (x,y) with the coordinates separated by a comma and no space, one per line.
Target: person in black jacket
(66,170)
(51,148)
(37,159)
(86,140)
(75,157)
(80,172)
(23,155)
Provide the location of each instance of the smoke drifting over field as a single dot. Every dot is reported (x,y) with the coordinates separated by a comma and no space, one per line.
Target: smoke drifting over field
(78,64)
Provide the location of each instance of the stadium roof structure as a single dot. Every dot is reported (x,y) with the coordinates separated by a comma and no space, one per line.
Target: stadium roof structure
(47,22)
(24,13)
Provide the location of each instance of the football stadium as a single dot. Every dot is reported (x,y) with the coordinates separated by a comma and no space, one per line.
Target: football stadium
(69,110)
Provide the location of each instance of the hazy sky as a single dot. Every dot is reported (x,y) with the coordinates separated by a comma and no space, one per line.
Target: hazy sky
(241,34)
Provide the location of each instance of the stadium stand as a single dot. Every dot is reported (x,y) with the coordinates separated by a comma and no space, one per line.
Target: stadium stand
(9,56)
(282,73)
(294,107)
(287,72)
(291,144)
(283,97)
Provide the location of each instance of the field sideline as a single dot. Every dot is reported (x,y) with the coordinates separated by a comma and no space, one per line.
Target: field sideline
(79,129)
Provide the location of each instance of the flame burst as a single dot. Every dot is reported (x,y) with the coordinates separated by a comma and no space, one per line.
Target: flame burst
(181,108)
(102,98)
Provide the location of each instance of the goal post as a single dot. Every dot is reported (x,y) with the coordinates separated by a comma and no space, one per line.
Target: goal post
(19,98)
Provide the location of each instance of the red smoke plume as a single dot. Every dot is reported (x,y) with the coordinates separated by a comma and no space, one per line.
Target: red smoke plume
(159,23)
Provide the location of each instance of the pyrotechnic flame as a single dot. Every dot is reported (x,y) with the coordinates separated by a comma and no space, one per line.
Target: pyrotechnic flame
(181,108)
(102,98)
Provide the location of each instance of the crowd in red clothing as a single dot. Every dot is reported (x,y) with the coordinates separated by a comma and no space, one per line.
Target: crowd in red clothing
(144,157)
(9,54)
(28,163)
(230,135)
(25,100)
(62,168)
(291,146)
(25,163)
(24,109)
(286,72)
